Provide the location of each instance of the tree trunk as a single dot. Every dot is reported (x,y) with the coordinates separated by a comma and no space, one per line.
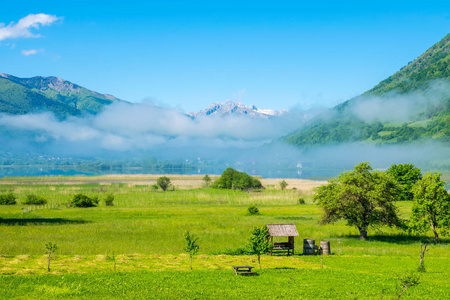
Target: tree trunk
(363,234)
(259,261)
(436,236)
(190,261)
(48,266)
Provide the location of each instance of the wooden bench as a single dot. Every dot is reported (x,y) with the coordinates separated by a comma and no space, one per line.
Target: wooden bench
(243,270)
(282,248)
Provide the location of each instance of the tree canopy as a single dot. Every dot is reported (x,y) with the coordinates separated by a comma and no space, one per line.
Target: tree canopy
(431,206)
(406,175)
(232,179)
(362,197)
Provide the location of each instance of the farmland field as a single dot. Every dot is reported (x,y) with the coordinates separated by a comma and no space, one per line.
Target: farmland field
(144,230)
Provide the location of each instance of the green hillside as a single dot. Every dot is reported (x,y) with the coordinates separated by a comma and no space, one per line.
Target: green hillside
(37,94)
(427,78)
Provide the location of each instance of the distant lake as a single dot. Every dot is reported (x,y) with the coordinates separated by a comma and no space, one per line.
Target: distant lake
(301,173)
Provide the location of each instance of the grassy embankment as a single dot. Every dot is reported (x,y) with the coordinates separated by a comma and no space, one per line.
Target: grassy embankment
(145,231)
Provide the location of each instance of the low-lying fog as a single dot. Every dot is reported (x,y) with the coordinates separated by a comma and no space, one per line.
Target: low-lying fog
(143,130)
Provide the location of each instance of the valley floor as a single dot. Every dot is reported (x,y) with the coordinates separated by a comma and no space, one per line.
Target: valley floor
(143,234)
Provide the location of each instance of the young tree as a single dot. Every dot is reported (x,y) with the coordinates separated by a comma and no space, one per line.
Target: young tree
(431,206)
(362,197)
(406,175)
(163,182)
(283,184)
(191,245)
(259,242)
(422,256)
(51,248)
(207,180)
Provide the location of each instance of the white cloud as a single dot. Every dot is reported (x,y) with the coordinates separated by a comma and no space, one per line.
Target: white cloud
(31,52)
(22,29)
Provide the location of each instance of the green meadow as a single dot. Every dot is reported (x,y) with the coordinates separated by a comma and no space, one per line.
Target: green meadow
(144,230)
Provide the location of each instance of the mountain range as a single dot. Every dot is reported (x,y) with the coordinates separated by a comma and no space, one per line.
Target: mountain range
(412,104)
(37,94)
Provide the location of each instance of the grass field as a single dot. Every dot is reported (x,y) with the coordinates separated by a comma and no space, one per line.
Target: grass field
(145,231)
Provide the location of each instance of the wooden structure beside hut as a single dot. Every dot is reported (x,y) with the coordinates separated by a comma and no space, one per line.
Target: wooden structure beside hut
(284,230)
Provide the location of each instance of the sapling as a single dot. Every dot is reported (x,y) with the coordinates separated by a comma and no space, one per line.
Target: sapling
(51,248)
(259,242)
(113,258)
(191,246)
(422,256)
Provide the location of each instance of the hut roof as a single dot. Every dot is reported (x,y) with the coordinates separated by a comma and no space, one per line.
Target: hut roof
(282,229)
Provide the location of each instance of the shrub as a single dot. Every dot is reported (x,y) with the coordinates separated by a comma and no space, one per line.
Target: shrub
(253,210)
(81,200)
(301,200)
(7,199)
(35,199)
(232,179)
(109,200)
(154,187)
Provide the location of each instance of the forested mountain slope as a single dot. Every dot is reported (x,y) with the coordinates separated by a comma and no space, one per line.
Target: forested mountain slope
(413,104)
(37,94)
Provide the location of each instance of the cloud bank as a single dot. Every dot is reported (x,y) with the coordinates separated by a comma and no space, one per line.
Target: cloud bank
(125,127)
(22,29)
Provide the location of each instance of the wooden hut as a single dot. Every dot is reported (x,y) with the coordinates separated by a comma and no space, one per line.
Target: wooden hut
(284,230)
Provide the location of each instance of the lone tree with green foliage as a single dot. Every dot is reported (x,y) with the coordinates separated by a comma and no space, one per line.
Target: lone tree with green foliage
(232,179)
(283,184)
(51,248)
(431,206)
(163,182)
(191,246)
(259,242)
(207,180)
(362,197)
(406,175)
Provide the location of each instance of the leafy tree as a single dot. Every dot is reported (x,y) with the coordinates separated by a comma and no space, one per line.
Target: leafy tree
(163,183)
(431,206)
(207,180)
(259,242)
(51,248)
(191,245)
(406,175)
(283,184)
(362,197)
(232,179)
(81,200)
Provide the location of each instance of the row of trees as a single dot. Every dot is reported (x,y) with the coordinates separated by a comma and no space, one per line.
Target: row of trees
(366,198)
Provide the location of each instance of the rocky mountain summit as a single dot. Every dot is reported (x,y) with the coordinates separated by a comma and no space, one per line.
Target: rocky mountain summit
(230,108)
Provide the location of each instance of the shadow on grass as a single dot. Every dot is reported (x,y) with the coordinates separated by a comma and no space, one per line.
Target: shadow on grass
(401,239)
(39,221)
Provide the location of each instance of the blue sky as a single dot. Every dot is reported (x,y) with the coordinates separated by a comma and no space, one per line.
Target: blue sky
(188,54)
